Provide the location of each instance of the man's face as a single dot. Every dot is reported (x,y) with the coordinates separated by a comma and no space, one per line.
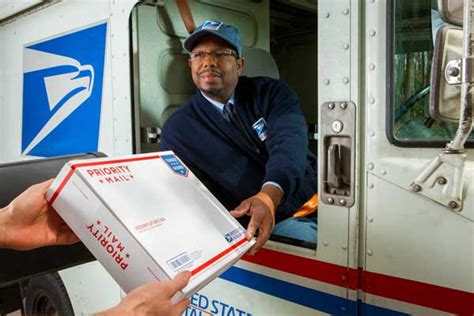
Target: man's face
(215,74)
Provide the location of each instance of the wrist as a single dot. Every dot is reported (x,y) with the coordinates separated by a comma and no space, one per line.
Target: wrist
(116,310)
(271,196)
(3,226)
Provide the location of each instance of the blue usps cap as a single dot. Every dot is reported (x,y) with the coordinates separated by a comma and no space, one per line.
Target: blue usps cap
(228,33)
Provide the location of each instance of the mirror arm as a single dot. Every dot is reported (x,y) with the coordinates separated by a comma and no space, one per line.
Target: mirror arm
(467,86)
(442,179)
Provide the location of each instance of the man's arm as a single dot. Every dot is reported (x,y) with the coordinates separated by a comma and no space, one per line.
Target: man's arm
(287,141)
(287,147)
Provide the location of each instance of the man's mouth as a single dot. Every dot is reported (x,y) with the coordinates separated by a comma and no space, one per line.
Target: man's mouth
(209,75)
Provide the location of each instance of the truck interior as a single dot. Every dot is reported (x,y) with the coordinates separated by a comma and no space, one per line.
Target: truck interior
(279,39)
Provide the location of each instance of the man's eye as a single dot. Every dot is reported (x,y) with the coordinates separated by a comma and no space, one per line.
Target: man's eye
(197,55)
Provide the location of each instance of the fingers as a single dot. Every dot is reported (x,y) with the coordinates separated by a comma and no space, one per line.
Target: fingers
(43,186)
(254,224)
(179,282)
(242,209)
(181,306)
(261,240)
(67,238)
(263,221)
(47,183)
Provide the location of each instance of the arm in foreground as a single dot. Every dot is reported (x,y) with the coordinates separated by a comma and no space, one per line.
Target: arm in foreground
(153,299)
(28,222)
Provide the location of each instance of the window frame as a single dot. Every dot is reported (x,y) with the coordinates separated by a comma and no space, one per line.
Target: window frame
(390,96)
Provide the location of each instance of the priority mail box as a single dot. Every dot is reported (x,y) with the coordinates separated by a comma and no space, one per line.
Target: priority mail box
(146,218)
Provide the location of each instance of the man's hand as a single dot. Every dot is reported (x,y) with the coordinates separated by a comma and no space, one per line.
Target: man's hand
(261,207)
(29,222)
(153,299)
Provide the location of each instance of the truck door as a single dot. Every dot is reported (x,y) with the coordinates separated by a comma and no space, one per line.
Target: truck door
(416,253)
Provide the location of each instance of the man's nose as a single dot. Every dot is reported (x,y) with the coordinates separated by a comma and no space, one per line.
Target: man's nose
(210,60)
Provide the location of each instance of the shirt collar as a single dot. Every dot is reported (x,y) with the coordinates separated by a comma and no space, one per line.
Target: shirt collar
(218,105)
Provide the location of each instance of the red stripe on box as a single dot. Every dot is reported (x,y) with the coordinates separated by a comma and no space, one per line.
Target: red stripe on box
(89,164)
(61,186)
(218,256)
(106,162)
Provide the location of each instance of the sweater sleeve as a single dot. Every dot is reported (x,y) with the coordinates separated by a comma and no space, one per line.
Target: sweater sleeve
(287,139)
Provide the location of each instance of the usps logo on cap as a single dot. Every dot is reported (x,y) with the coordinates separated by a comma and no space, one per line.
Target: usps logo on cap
(175,164)
(62,93)
(212,25)
(260,128)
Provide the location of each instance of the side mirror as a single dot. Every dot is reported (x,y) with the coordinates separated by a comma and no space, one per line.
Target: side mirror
(452,99)
(446,67)
(451,11)
(445,98)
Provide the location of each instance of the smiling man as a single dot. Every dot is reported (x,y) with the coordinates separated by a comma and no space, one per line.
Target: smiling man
(245,138)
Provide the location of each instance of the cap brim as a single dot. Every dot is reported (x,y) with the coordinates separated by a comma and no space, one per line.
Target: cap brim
(191,41)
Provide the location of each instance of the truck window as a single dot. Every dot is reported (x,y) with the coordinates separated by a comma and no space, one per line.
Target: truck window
(413,30)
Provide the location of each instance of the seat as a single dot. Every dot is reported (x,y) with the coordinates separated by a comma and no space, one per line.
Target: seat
(259,62)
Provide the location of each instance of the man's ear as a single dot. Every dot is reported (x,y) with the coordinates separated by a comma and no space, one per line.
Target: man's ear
(189,62)
(240,65)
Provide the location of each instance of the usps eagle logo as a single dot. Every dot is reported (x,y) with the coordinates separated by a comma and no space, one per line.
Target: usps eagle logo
(62,93)
(212,25)
(175,164)
(260,128)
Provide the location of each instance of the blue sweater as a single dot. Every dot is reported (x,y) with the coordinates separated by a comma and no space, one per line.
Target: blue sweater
(234,163)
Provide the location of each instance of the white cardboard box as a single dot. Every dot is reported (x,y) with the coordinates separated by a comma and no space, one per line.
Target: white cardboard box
(147,217)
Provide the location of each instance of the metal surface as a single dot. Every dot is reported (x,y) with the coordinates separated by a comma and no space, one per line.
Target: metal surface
(339,57)
(150,134)
(410,236)
(467,87)
(14,10)
(468,69)
(452,73)
(442,180)
(338,159)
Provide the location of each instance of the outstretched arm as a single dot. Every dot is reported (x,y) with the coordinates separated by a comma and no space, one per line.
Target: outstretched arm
(28,222)
(153,299)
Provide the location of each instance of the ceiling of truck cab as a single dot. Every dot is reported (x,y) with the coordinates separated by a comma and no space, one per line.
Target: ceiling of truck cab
(292,17)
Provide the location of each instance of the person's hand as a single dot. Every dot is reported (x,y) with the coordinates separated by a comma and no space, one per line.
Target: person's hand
(153,299)
(29,222)
(261,207)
